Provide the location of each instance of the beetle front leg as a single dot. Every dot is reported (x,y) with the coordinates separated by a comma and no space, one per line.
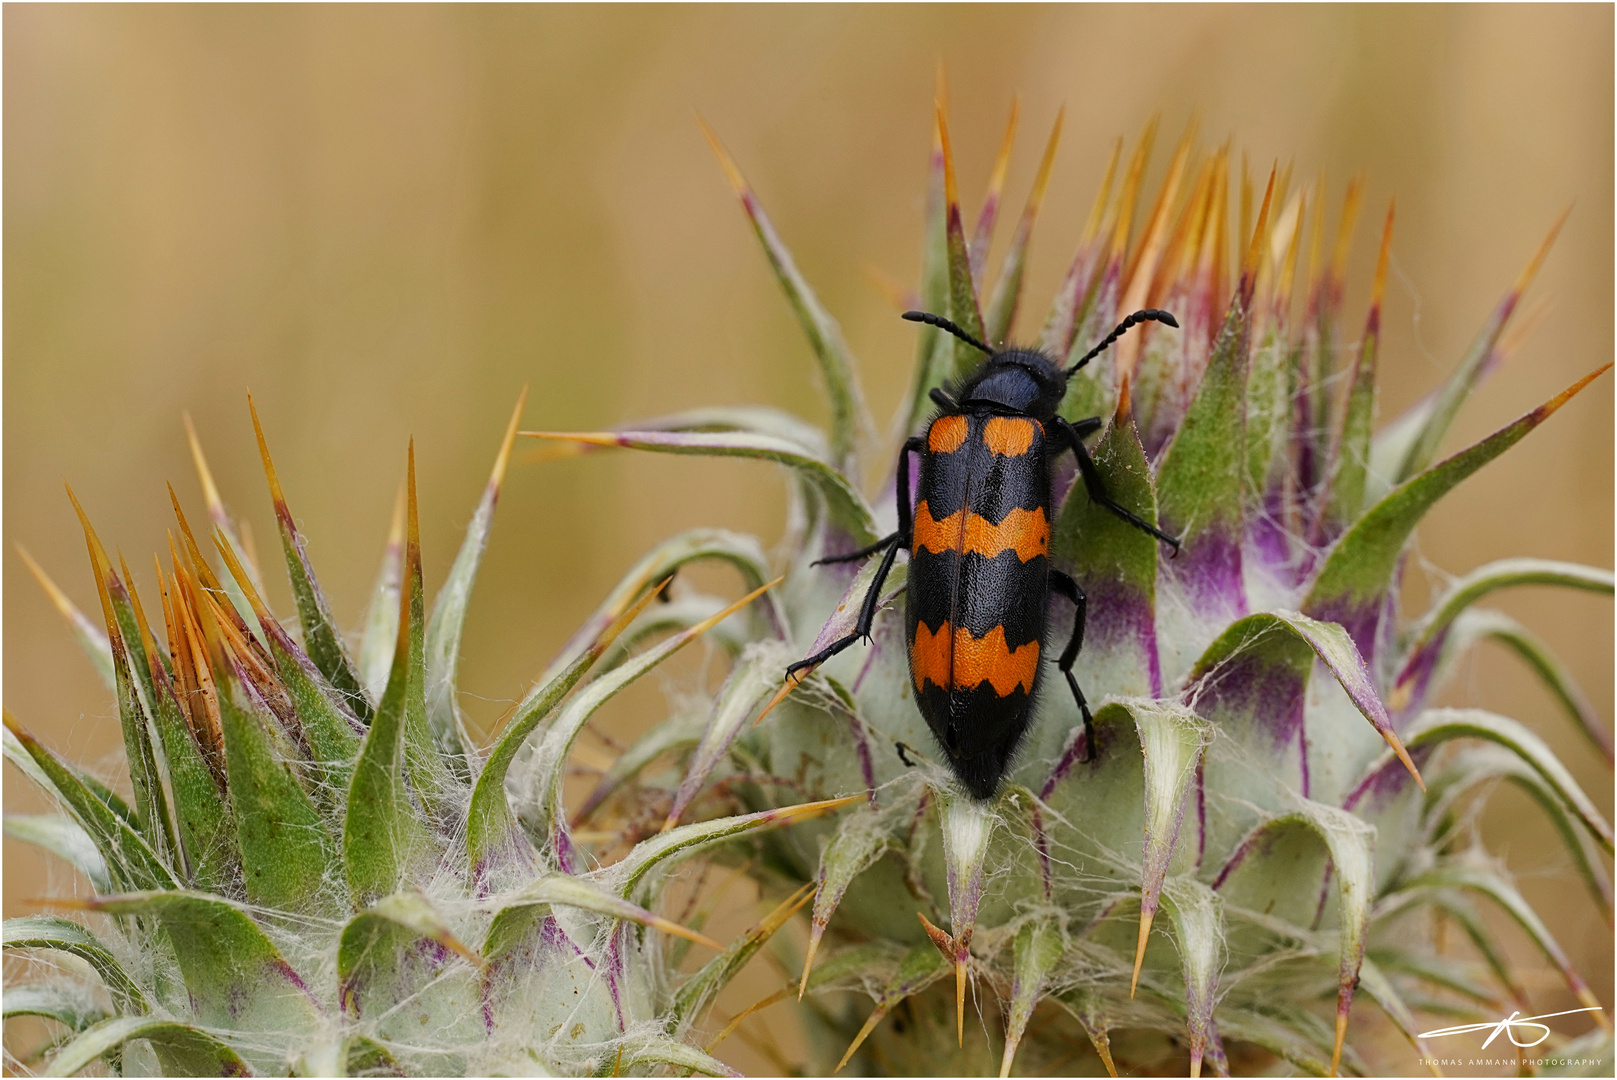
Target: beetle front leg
(902,535)
(1064,585)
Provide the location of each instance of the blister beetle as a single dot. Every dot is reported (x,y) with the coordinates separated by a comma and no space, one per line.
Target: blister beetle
(980,578)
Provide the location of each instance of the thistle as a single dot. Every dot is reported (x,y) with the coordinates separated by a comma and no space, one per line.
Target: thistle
(318,871)
(1268,835)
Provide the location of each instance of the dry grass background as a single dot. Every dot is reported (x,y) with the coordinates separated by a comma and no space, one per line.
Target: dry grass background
(386,220)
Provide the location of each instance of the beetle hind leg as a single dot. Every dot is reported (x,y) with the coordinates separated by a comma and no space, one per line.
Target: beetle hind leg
(1064,585)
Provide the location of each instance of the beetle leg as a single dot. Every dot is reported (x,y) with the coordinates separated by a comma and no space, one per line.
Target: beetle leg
(892,543)
(855,556)
(1097,487)
(1066,586)
(867,615)
(906,511)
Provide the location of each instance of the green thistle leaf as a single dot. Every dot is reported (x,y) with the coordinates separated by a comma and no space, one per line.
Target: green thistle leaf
(182,1049)
(1352,584)
(448,728)
(1477,624)
(963,307)
(1477,766)
(71,1008)
(129,859)
(1467,875)
(1115,564)
(321,638)
(850,421)
(1436,726)
(64,935)
(61,836)
(1445,405)
(89,636)
(383,834)
(236,976)
(286,846)
(844,505)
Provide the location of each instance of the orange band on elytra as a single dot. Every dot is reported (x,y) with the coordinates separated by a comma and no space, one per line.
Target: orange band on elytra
(932,656)
(954,659)
(1026,532)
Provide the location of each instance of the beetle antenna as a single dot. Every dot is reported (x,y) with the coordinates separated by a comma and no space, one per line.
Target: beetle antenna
(1147,315)
(944,324)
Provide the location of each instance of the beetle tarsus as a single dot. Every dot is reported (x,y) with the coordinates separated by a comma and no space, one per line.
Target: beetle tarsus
(1064,585)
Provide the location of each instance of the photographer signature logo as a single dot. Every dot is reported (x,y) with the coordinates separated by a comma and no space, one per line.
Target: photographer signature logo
(1508,1027)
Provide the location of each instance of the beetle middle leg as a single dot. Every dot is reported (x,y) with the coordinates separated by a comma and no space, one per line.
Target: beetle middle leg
(892,543)
(1064,585)
(855,556)
(1095,485)
(867,615)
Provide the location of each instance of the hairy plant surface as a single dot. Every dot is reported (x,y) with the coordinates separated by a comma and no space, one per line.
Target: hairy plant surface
(318,871)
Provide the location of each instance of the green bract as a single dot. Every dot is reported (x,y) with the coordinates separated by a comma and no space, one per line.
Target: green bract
(320,872)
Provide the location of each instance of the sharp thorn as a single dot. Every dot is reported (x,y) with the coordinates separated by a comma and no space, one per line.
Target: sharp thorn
(1139,950)
(960,1001)
(808,961)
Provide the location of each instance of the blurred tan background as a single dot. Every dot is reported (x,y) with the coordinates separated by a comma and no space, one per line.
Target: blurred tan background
(384,221)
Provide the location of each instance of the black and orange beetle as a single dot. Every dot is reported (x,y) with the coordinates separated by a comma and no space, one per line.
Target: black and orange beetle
(979,541)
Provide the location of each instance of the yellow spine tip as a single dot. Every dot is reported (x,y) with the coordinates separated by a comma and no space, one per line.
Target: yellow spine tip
(960,1001)
(1531,269)
(1341,1038)
(1104,1048)
(808,962)
(792,683)
(57,597)
(731,172)
(859,1039)
(668,926)
(1378,286)
(276,494)
(1002,163)
(951,195)
(1139,950)
(595,438)
(1397,745)
(210,491)
(497,476)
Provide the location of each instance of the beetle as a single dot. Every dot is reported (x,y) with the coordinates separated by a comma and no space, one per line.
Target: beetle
(978,537)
